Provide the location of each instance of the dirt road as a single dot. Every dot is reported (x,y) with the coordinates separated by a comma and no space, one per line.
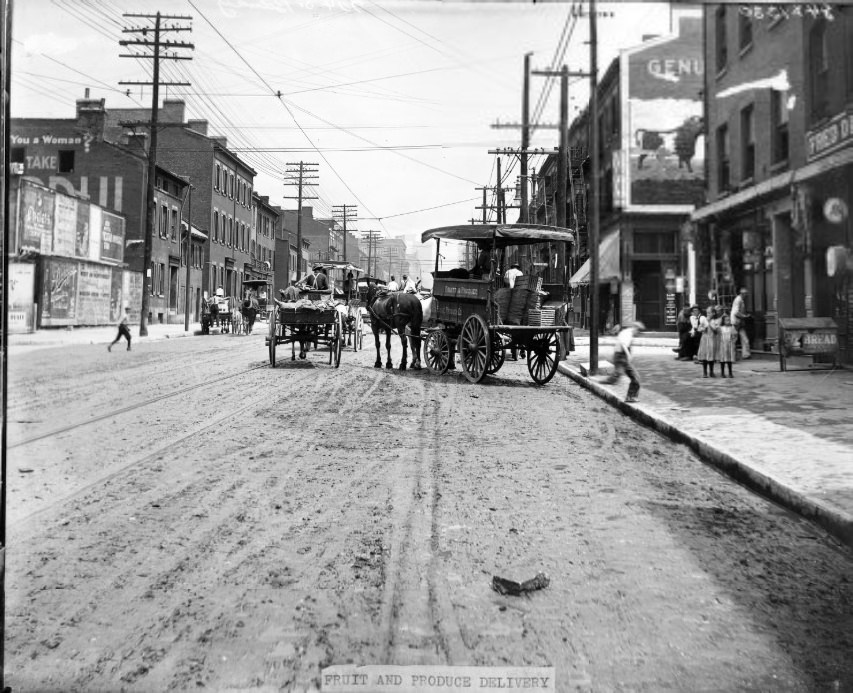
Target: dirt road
(184,517)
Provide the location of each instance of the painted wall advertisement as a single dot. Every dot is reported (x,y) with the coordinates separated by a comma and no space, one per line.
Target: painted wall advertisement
(662,141)
(22,278)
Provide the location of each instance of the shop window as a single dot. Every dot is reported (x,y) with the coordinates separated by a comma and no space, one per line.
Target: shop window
(722,52)
(744,31)
(747,139)
(819,71)
(779,125)
(66,161)
(723,159)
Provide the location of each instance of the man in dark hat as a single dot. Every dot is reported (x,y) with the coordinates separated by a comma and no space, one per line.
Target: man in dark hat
(321,281)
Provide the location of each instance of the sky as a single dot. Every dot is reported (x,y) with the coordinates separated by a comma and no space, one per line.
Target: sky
(393,100)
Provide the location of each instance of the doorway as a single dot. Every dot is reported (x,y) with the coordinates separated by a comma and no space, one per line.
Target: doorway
(173,289)
(649,293)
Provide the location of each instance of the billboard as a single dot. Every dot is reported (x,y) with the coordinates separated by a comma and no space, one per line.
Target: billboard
(94,294)
(662,121)
(36,219)
(112,238)
(21,294)
(59,292)
(65,227)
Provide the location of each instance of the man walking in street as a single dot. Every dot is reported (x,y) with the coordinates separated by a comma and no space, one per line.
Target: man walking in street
(123,330)
(739,317)
(623,363)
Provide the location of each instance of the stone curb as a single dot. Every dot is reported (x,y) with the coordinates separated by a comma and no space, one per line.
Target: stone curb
(79,338)
(837,523)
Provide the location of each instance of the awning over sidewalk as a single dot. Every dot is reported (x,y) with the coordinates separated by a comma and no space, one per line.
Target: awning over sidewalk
(608,262)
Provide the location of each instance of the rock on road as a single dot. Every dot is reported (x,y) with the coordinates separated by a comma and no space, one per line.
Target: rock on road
(182,517)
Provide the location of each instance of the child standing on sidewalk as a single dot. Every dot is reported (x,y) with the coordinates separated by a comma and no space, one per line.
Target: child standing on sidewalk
(709,344)
(123,330)
(728,337)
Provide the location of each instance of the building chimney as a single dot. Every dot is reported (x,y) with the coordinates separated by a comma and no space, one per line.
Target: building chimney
(199,126)
(91,115)
(221,141)
(172,110)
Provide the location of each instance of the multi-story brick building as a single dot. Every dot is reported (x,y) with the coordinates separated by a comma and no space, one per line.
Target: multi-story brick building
(266,227)
(78,157)
(651,176)
(780,155)
(222,187)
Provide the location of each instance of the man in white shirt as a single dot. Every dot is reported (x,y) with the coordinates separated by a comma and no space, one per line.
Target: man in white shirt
(512,274)
(392,285)
(623,363)
(739,316)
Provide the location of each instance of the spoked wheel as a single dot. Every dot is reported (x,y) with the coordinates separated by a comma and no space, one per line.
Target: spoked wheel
(356,329)
(498,356)
(272,338)
(475,348)
(359,331)
(437,352)
(338,341)
(543,357)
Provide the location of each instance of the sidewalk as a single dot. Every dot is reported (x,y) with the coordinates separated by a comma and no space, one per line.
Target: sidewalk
(787,435)
(59,336)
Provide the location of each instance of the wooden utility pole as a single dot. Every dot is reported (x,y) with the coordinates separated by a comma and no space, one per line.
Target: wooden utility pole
(155,45)
(343,213)
(525,138)
(593,202)
(189,255)
(306,172)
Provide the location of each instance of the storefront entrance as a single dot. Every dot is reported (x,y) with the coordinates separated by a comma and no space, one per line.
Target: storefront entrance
(649,293)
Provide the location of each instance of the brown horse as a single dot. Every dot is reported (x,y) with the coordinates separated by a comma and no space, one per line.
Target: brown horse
(394,311)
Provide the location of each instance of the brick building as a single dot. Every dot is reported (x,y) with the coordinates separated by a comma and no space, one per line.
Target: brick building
(651,177)
(222,187)
(266,227)
(779,166)
(78,157)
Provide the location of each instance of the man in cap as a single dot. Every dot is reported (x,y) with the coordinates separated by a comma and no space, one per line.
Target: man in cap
(321,281)
(623,363)
(513,273)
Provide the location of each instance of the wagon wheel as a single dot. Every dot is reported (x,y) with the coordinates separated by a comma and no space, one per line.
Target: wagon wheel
(437,352)
(542,357)
(475,348)
(272,338)
(498,356)
(358,337)
(338,340)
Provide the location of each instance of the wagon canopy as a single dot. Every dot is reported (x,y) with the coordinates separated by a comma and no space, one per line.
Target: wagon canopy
(504,234)
(337,264)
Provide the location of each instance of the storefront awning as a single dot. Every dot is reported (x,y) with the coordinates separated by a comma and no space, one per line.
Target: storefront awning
(608,262)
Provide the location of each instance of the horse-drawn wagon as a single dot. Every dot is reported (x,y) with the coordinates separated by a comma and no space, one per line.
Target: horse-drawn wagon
(481,317)
(262,289)
(216,313)
(345,289)
(317,317)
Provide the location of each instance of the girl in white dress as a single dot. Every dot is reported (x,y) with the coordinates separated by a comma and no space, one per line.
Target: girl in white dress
(709,344)
(728,337)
